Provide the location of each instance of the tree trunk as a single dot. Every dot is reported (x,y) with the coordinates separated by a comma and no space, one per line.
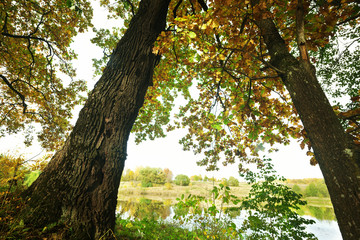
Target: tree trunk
(80,184)
(337,155)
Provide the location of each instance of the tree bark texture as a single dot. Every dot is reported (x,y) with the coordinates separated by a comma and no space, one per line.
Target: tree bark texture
(335,152)
(80,184)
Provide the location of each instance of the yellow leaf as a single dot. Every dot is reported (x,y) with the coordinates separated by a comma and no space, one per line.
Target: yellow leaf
(192,35)
(222,57)
(214,24)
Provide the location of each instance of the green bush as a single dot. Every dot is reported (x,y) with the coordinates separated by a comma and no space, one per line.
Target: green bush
(149,229)
(233,182)
(146,184)
(182,180)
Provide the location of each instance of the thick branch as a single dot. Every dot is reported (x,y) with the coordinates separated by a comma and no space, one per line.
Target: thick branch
(22,97)
(203,5)
(24,36)
(300,31)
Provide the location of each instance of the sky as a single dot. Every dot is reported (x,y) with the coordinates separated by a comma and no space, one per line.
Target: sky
(290,161)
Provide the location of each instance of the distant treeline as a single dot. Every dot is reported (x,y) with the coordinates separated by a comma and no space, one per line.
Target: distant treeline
(149,177)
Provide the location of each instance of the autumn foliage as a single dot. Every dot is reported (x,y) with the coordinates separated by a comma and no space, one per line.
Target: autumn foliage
(37,82)
(215,57)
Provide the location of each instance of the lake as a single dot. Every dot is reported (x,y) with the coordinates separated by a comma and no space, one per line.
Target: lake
(325,227)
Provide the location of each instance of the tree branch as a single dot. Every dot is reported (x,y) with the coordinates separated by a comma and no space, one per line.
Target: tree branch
(203,5)
(22,97)
(176,8)
(6,114)
(30,85)
(349,19)
(40,22)
(300,31)
(132,7)
(4,28)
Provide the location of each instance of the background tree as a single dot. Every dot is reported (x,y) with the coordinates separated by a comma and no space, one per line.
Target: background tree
(128,176)
(34,49)
(168,174)
(196,178)
(150,176)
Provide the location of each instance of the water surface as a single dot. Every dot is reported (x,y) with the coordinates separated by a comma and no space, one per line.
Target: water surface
(325,227)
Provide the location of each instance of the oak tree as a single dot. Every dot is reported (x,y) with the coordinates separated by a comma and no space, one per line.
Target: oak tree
(79,186)
(252,63)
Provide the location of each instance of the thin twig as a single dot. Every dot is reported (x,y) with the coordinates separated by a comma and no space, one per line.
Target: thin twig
(348,19)
(132,7)
(176,8)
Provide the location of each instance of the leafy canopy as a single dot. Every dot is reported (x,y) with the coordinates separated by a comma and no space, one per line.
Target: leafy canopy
(214,56)
(35,55)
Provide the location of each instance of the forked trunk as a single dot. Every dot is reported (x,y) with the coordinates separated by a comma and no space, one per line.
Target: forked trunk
(80,184)
(337,155)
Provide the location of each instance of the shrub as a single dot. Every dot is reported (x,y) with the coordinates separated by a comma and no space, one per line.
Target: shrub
(182,180)
(13,171)
(149,229)
(233,182)
(271,208)
(208,222)
(145,183)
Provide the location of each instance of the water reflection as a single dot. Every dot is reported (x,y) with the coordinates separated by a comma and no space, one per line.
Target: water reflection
(320,213)
(325,227)
(141,208)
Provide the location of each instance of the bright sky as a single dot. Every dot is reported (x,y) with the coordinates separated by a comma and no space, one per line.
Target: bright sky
(290,161)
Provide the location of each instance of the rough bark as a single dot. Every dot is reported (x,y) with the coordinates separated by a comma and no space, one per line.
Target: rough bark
(80,184)
(337,155)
